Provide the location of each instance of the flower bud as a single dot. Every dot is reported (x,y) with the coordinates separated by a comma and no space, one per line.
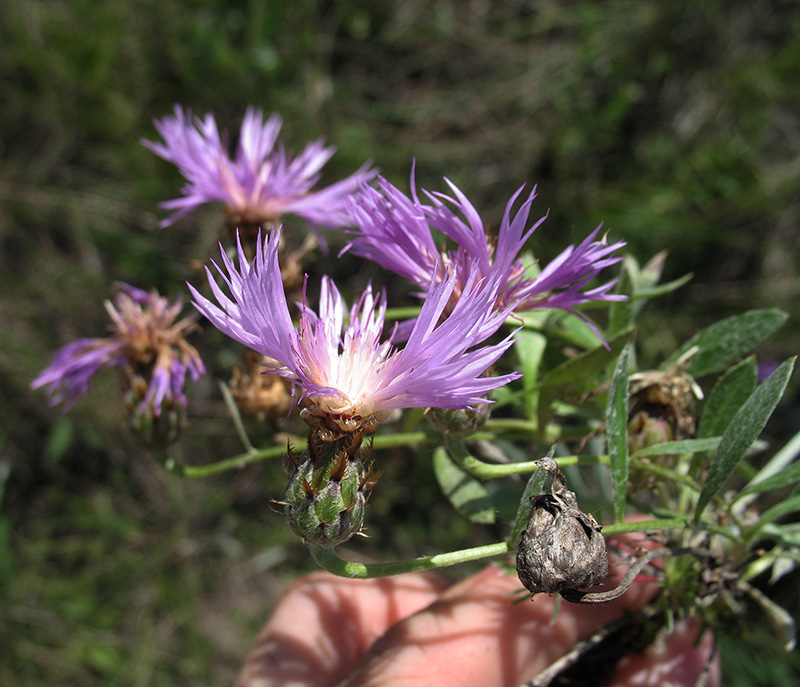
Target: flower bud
(459,421)
(562,548)
(327,491)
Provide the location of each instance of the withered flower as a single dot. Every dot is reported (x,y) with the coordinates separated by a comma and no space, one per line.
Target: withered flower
(259,395)
(562,548)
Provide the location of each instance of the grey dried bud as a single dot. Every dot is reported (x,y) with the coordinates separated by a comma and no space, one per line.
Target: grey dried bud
(562,548)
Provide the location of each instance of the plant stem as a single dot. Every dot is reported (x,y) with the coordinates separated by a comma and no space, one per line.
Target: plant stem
(326,557)
(401,439)
(234,463)
(645,525)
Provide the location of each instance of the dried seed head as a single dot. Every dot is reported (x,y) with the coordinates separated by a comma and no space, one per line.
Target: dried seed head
(562,548)
(259,395)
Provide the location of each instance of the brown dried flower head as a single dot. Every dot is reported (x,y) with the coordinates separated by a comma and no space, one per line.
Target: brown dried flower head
(259,395)
(562,548)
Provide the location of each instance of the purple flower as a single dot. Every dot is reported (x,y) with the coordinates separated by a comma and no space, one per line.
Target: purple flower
(260,184)
(145,341)
(395,231)
(338,358)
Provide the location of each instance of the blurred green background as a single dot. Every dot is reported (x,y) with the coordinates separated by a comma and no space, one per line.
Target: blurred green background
(676,124)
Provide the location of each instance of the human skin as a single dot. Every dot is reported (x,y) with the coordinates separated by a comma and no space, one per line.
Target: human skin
(417,629)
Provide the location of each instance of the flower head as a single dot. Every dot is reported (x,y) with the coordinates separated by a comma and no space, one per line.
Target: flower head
(260,184)
(339,360)
(146,341)
(395,231)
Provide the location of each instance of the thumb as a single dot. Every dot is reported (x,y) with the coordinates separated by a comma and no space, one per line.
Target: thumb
(475,634)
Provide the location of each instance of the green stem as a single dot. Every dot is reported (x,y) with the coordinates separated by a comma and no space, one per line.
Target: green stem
(401,439)
(234,463)
(495,424)
(645,525)
(236,416)
(326,557)
(457,450)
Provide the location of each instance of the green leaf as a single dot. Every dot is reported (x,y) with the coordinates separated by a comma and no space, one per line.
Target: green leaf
(671,448)
(533,319)
(785,507)
(622,313)
(572,328)
(780,461)
(577,370)
(785,478)
(529,347)
(743,431)
(727,396)
(780,619)
(617,431)
(576,374)
(663,289)
(728,340)
(468,496)
(532,488)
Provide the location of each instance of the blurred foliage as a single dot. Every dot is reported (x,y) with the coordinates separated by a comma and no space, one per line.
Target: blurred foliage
(676,124)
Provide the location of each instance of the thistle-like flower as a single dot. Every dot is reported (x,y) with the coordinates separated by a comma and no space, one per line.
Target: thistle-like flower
(347,371)
(350,378)
(147,343)
(261,184)
(395,231)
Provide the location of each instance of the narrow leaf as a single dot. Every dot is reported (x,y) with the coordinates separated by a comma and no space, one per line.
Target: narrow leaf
(785,478)
(728,340)
(589,364)
(672,448)
(617,432)
(747,424)
(575,375)
(622,313)
(727,396)
(573,328)
(663,289)
(782,459)
(780,619)
(786,507)
(529,347)
(468,496)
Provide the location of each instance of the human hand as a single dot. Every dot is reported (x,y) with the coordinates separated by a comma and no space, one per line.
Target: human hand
(415,629)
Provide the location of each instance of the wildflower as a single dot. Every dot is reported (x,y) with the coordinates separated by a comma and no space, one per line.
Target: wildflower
(395,231)
(146,342)
(261,184)
(347,371)
(351,379)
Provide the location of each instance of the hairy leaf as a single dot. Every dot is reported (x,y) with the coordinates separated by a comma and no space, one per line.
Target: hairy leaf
(727,396)
(743,431)
(728,340)
(671,448)
(617,431)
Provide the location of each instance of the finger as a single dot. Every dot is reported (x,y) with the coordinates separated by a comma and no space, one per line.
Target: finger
(676,659)
(323,624)
(475,634)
